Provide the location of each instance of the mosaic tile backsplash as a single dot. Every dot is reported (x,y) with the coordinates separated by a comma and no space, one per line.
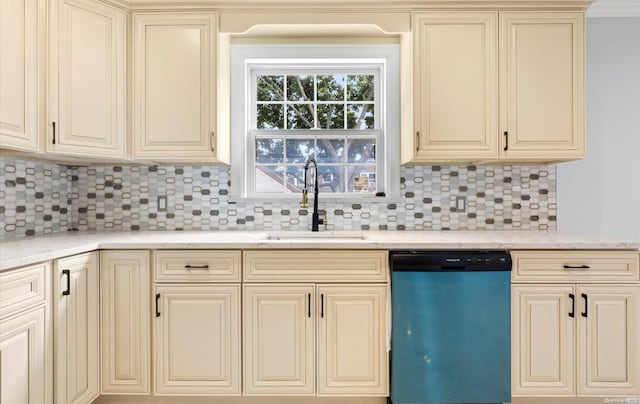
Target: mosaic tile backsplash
(43,198)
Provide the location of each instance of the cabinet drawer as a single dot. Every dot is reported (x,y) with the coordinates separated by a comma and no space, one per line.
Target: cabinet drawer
(575,266)
(315,266)
(197,266)
(23,288)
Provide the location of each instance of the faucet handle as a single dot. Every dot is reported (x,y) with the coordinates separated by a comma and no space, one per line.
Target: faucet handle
(304,204)
(325,221)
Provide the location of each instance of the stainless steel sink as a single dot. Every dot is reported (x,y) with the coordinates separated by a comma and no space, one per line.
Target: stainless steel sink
(309,236)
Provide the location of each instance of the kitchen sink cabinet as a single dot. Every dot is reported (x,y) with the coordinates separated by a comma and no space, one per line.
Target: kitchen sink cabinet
(26,356)
(197,336)
(461,59)
(325,339)
(174,78)
(580,338)
(21,36)
(87,80)
(125,312)
(76,324)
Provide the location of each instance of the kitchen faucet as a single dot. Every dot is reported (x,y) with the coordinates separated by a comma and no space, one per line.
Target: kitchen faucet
(315,218)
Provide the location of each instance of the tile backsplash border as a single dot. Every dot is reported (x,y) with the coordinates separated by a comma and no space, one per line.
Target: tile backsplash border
(42,198)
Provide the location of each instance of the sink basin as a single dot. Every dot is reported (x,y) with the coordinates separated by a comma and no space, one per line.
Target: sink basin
(307,236)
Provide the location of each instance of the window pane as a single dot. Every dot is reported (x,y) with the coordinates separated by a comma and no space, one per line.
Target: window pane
(295,179)
(360,116)
(331,88)
(360,88)
(270,116)
(270,88)
(269,151)
(300,88)
(330,151)
(298,150)
(362,179)
(269,179)
(331,116)
(300,116)
(331,178)
(362,151)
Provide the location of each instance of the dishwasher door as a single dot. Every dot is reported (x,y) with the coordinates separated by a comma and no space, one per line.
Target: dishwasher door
(451,335)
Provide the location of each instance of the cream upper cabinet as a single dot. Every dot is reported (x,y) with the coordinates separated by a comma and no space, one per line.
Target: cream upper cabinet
(174,59)
(21,29)
(455,86)
(352,359)
(197,340)
(542,85)
(76,308)
(125,312)
(279,339)
(87,79)
(609,340)
(542,340)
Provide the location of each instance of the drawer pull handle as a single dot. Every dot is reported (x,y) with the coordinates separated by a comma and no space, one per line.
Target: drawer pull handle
(309,303)
(572,313)
(67,273)
(586,305)
(576,267)
(157,304)
(322,305)
(196,266)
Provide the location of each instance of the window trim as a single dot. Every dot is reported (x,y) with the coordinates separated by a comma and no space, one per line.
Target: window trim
(243,57)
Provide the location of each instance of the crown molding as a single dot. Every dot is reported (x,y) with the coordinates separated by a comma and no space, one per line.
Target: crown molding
(614,8)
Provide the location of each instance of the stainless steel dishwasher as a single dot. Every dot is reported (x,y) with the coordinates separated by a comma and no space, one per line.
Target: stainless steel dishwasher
(451,333)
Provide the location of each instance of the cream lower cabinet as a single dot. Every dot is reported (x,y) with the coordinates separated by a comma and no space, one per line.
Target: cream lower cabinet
(197,340)
(25,344)
(197,336)
(575,339)
(279,339)
(312,337)
(76,324)
(125,315)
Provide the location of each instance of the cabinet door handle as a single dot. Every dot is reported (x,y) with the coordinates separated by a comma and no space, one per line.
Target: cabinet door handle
(157,304)
(67,273)
(54,131)
(576,267)
(309,303)
(586,305)
(418,141)
(572,313)
(188,266)
(322,305)
(213,141)
(506,141)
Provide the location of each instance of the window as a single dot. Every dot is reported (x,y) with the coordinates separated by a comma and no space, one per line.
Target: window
(332,109)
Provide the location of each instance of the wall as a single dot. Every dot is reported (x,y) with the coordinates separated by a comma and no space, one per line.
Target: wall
(126,198)
(601,194)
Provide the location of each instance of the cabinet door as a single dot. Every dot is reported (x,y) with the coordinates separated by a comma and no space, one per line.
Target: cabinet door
(197,334)
(125,317)
(543,340)
(352,357)
(87,79)
(455,94)
(279,342)
(20,29)
(542,85)
(609,340)
(22,358)
(76,291)
(174,79)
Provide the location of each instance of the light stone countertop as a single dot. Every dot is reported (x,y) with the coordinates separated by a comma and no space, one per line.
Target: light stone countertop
(30,250)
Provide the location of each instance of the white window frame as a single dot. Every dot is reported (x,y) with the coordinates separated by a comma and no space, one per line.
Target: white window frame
(383,60)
